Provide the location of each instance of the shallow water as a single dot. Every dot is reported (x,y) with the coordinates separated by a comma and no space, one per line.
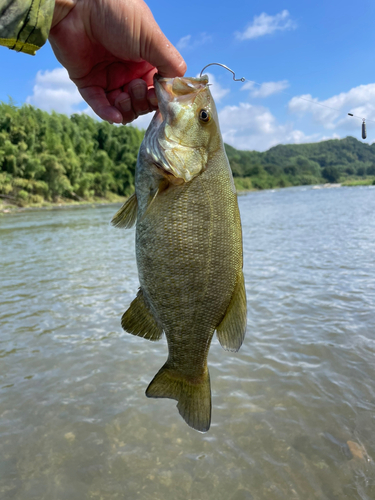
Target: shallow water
(293,411)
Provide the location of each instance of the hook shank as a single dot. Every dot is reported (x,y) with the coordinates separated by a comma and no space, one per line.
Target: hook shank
(225,67)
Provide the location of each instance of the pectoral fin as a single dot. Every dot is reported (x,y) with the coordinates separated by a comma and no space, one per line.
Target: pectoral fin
(152,196)
(138,320)
(231,330)
(127,215)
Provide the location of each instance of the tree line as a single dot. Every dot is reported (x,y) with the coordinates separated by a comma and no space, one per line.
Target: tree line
(50,156)
(332,161)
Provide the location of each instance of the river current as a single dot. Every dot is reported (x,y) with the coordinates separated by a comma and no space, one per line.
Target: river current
(293,411)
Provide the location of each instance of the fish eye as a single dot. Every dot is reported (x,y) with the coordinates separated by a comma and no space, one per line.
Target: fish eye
(204,115)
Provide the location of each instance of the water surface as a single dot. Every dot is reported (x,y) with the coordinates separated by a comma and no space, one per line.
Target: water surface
(293,411)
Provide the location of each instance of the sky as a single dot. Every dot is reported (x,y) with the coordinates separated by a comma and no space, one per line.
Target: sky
(290,53)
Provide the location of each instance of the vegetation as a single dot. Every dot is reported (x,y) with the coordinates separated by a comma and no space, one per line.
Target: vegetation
(49,157)
(46,157)
(347,161)
(359,182)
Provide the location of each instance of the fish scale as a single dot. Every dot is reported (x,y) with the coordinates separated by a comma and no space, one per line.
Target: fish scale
(188,247)
(194,257)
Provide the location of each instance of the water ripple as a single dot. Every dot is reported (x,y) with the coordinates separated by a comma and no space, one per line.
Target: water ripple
(293,411)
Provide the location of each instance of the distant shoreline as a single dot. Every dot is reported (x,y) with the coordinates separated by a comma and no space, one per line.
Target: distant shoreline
(61,204)
(65,203)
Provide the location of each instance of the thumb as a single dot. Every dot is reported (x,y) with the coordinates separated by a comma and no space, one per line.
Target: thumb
(158,50)
(165,57)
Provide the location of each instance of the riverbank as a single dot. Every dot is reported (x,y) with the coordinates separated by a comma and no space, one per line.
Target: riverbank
(113,199)
(368,181)
(60,204)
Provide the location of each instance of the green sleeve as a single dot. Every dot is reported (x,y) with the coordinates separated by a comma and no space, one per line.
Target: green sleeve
(25,24)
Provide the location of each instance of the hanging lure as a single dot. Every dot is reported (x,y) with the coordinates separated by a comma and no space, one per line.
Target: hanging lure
(364,134)
(364,131)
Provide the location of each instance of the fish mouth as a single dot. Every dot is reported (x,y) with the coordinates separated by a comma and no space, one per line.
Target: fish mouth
(165,146)
(177,89)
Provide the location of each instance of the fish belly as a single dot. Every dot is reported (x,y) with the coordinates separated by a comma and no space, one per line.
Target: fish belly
(189,257)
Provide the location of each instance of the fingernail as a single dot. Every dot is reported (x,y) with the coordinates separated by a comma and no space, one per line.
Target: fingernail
(153,101)
(125,105)
(138,91)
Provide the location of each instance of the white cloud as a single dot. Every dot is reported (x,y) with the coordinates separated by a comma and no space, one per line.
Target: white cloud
(265,89)
(189,43)
(183,42)
(246,126)
(90,112)
(265,25)
(254,127)
(53,90)
(217,91)
(329,137)
(332,113)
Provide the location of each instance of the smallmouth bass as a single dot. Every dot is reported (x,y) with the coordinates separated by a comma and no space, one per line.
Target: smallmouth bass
(188,244)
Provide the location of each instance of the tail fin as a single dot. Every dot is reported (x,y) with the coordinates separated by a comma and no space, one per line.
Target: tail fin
(194,399)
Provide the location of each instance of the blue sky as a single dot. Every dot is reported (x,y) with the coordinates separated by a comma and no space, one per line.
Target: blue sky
(322,50)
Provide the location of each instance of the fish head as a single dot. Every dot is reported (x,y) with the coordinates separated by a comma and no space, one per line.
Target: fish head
(185,130)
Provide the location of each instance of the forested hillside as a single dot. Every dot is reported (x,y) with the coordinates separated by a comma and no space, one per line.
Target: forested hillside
(49,157)
(298,164)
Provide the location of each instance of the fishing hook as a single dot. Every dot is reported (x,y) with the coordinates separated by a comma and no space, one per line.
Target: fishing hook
(226,67)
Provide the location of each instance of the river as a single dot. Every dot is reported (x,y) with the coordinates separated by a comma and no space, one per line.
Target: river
(293,411)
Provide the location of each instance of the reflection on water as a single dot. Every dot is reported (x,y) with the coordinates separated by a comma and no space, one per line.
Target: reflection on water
(293,411)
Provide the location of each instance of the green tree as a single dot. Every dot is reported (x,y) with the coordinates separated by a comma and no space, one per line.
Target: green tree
(48,156)
(331,173)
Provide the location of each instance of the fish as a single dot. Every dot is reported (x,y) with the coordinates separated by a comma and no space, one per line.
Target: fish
(188,245)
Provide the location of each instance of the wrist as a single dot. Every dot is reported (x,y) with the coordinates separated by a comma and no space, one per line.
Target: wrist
(62,9)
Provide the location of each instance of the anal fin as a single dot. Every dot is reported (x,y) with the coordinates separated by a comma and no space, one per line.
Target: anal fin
(232,328)
(139,320)
(127,215)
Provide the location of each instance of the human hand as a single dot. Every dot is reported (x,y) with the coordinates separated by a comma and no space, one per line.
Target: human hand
(111,50)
